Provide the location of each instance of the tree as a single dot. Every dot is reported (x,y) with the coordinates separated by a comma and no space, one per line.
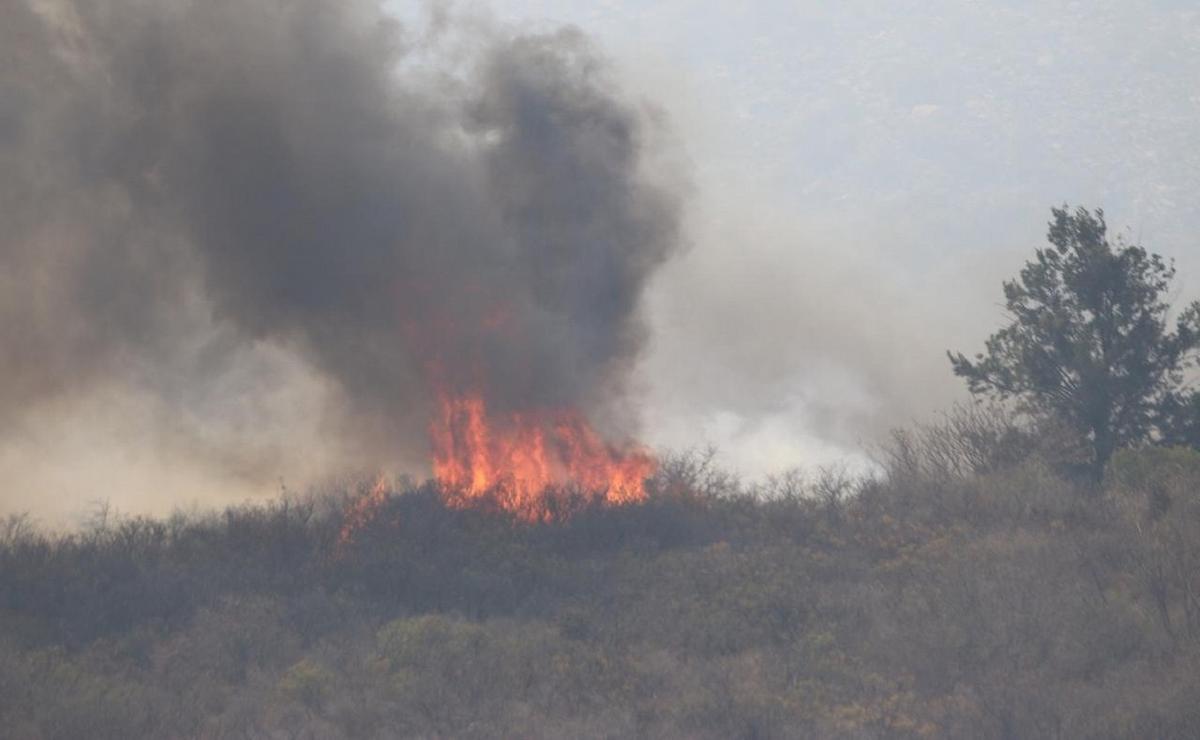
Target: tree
(1181,420)
(1089,340)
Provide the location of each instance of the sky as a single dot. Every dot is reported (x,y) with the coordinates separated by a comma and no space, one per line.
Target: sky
(865,175)
(855,180)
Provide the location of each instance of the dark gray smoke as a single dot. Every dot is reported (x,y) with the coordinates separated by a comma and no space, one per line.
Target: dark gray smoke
(183,183)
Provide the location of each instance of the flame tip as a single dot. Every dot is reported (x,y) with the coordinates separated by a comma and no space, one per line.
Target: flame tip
(527,460)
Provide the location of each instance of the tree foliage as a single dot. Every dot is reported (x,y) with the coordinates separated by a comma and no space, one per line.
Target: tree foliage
(1089,340)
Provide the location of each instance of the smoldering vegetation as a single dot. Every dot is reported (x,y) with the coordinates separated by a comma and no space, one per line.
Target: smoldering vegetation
(975,588)
(206,202)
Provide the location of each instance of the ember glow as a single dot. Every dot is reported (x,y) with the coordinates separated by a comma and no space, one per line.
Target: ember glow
(530,463)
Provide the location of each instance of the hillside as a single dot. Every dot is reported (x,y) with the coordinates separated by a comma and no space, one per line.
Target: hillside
(970,589)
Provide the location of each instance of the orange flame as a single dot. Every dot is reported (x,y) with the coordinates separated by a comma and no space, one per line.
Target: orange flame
(525,462)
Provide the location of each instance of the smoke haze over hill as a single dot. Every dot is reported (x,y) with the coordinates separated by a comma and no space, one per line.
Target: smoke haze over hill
(219,215)
(278,224)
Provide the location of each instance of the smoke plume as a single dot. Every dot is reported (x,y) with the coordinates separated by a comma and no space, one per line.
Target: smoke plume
(235,216)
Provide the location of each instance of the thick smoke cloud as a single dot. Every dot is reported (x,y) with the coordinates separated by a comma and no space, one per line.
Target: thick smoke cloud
(207,201)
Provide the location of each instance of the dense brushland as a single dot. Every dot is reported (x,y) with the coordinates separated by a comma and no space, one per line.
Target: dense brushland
(974,587)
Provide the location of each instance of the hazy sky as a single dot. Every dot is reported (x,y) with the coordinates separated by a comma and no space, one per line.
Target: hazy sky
(859,178)
(866,173)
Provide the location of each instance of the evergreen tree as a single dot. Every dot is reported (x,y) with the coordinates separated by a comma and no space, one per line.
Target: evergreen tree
(1089,340)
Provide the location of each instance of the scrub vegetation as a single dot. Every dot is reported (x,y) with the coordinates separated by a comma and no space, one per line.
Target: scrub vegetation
(971,589)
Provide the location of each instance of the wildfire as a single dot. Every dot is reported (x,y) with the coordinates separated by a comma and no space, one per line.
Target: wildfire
(529,463)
